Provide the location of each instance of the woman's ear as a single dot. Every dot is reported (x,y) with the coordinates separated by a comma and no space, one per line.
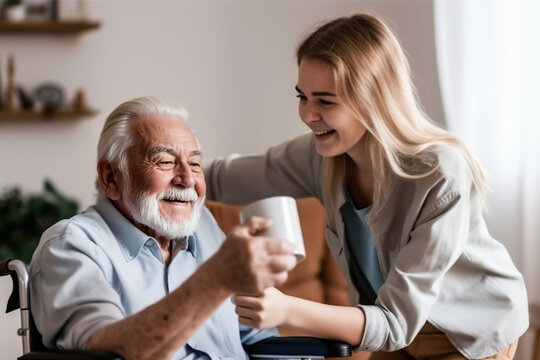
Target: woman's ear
(109,177)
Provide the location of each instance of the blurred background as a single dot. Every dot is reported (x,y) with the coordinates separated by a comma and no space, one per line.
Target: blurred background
(66,64)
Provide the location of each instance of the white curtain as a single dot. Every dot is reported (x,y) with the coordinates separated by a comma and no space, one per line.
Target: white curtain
(488,54)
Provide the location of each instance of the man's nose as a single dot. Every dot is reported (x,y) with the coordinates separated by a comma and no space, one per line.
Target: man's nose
(183,176)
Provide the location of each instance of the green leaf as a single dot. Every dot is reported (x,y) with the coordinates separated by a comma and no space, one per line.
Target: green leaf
(24,217)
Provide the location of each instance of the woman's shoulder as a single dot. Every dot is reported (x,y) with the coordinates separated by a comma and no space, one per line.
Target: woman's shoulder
(447,164)
(438,163)
(441,173)
(439,156)
(450,160)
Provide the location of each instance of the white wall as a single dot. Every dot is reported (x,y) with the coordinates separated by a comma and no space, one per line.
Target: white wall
(230,62)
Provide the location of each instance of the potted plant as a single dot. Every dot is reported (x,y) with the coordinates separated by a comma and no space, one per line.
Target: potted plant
(24,217)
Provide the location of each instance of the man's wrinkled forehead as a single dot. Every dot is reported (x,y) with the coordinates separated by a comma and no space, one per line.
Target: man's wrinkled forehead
(150,132)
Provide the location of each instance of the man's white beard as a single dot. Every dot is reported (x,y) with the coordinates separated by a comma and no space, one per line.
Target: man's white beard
(145,210)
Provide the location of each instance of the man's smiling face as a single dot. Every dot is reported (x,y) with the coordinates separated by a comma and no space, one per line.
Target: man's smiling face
(164,167)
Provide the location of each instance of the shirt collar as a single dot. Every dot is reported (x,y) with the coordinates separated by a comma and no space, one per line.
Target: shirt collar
(191,247)
(130,238)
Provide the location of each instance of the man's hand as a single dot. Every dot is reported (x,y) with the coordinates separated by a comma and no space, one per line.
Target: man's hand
(253,263)
(245,264)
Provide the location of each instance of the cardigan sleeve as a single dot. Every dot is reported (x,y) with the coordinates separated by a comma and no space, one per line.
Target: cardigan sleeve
(291,168)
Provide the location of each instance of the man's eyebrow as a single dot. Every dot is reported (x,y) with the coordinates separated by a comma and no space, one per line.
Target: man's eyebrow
(316,93)
(158,149)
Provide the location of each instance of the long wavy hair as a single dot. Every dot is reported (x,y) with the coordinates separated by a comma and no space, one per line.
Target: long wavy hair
(372,78)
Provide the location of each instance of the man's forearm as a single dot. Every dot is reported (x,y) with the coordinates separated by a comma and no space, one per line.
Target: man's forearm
(161,329)
(244,264)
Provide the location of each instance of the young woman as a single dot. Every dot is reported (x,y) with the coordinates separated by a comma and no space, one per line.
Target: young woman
(404,201)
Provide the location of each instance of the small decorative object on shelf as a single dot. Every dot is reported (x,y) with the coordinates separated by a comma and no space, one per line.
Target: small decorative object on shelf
(46,17)
(47,101)
(50,96)
(14,10)
(25,100)
(42,17)
(10,91)
(41,10)
(80,101)
(71,10)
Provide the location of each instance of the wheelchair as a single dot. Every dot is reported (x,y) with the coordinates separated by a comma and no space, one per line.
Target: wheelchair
(294,347)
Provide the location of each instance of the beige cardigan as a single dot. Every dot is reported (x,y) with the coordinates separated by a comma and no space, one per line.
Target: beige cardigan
(439,262)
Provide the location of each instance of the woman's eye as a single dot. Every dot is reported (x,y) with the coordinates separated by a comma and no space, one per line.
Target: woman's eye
(301,97)
(326,102)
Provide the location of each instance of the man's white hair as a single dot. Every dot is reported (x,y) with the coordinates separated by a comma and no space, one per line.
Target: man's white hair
(116,139)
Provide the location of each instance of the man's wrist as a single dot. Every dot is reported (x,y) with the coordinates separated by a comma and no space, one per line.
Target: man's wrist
(216,275)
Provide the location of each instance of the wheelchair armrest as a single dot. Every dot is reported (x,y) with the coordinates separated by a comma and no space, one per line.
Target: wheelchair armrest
(70,355)
(297,347)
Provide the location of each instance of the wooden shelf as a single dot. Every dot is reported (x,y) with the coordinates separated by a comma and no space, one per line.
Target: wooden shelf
(6,115)
(47,27)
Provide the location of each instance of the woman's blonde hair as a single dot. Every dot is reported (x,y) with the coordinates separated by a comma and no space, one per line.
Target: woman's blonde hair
(372,78)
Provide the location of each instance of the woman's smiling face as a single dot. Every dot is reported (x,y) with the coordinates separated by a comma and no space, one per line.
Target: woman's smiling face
(335,129)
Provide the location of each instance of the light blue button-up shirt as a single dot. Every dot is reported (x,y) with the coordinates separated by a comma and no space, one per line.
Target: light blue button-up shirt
(97,268)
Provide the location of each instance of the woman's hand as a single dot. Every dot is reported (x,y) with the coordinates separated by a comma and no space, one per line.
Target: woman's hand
(273,308)
(265,311)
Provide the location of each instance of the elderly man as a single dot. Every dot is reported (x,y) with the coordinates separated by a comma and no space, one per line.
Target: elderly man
(146,272)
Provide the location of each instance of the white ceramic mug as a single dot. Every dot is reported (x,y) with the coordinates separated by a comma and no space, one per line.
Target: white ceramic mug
(283,212)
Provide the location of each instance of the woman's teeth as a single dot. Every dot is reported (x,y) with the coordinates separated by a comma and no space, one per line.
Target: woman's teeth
(324,132)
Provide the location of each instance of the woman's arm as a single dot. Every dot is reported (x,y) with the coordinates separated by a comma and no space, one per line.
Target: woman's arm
(345,323)
(291,168)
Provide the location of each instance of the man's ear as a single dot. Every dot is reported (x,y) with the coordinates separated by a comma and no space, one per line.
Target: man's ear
(109,177)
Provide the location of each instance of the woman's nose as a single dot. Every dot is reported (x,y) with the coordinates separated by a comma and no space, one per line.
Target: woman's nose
(308,113)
